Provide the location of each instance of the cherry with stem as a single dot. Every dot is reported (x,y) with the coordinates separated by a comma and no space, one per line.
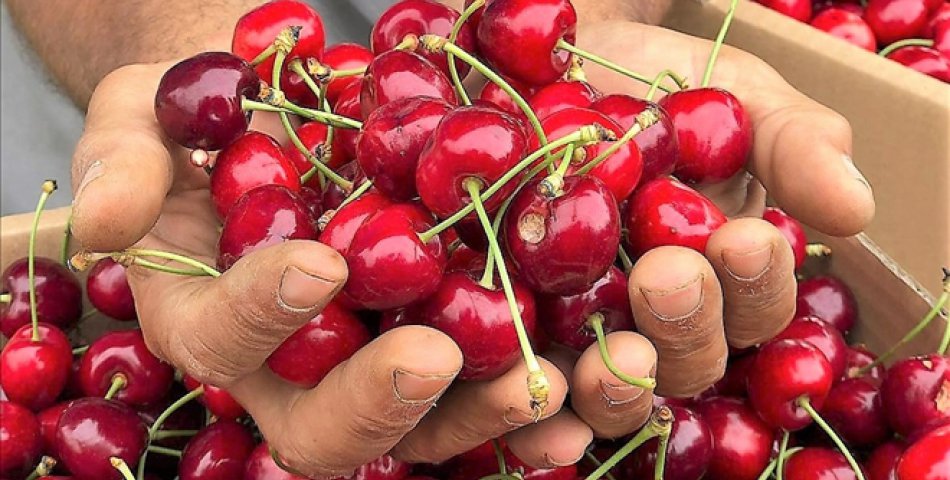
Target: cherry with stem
(805,404)
(564,45)
(154,429)
(122,467)
(596,323)
(767,473)
(655,85)
(660,423)
(644,120)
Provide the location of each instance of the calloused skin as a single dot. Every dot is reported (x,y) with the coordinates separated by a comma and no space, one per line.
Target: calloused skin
(133,187)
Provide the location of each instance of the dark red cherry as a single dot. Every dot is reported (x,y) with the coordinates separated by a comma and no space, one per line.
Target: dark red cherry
(266,216)
(48,419)
(470,143)
(481,461)
(532,28)
(20,440)
(261,466)
(421,17)
(742,442)
(791,230)
(398,317)
(893,20)
(560,95)
(657,143)
(125,353)
(58,295)
(340,230)
(479,321)
(217,400)
(383,468)
(345,56)
(798,9)
(858,356)
(218,452)
(399,74)
(855,410)
(688,454)
(34,373)
(817,463)
(198,102)
(823,336)
(565,317)
(916,394)
(190,416)
(829,299)
(666,212)
(324,342)
(392,139)
(348,105)
(733,383)
(713,132)
(927,458)
(109,291)
(252,161)
(313,200)
(783,372)
(847,26)
(92,430)
(494,94)
(563,244)
(925,60)
(881,464)
(819,6)
(334,195)
(313,135)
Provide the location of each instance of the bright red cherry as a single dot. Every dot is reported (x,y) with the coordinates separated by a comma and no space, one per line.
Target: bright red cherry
(942,38)
(348,105)
(421,17)
(881,464)
(916,394)
(657,143)
(217,400)
(560,95)
(923,59)
(58,295)
(20,441)
(938,16)
(666,212)
(261,466)
(109,292)
(399,74)
(479,320)
(927,458)
(218,452)
(742,442)
(532,28)
(339,231)
(391,141)
(92,430)
(345,56)
(124,353)
(783,372)
(34,373)
(858,356)
(688,454)
(821,335)
(713,132)
(565,317)
(493,94)
(893,20)
(847,26)
(252,161)
(49,419)
(198,102)
(562,243)
(855,410)
(798,9)
(313,135)
(829,299)
(791,230)
(816,463)
(383,468)
(847,5)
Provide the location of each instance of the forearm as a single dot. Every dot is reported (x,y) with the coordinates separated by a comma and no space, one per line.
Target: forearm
(80,41)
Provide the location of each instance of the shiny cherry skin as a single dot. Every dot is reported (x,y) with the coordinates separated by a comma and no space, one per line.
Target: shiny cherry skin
(125,353)
(927,458)
(261,466)
(109,292)
(399,74)
(252,161)
(390,266)
(937,16)
(667,212)
(742,442)
(783,372)
(819,6)
(481,461)
(479,320)
(855,410)
(339,231)
(881,463)
(48,419)
(313,200)
(562,94)
(561,244)
(218,452)
(383,468)
(532,28)
(925,60)
(318,346)
(688,454)
(494,94)
(466,259)
(391,140)
(348,105)
(34,373)
(565,317)
(198,102)
(657,144)
(817,463)
(20,440)
(823,336)
(829,299)
(58,295)
(791,230)
(942,38)
(916,394)
(313,135)
(798,9)
(91,430)
(847,26)
(713,132)
(345,56)
(266,216)
(858,356)
(893,20)
(470,143)
(217,400)
(421,17)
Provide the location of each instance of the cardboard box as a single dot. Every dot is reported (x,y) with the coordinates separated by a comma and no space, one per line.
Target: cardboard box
(901,122)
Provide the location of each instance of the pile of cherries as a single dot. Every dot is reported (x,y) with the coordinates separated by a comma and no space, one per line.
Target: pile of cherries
(914,33)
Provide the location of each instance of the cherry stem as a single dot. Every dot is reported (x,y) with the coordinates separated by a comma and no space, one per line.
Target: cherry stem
(453,70)
(49,186)
(171,452)
(563,45)
(500,456)
(122,467)
(264,55)
(660,423)
(817,250)
(596,322)
(157,425)
(67,235)
(308,113)
(680,82)
(163,434)
(644,120)
(357,193)
(6,297)
(119,381)
(660,466)
(348,73)
(80,350)
(780,461)
(43,469)
(319,91)
(726,22)
(597,463)
(624,259)
(539,387)
(805,404)
(772,465)
(909,42)
(133,256)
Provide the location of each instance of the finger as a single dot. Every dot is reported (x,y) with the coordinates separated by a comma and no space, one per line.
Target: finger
(556,442)
(677,304)
(611,407)
(219,330)
(475,412)
(756,268)
(361,409)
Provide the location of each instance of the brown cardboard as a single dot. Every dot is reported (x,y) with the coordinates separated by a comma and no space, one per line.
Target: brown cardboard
(901,122)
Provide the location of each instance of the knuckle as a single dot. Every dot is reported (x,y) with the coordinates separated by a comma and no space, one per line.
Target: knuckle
(207,364)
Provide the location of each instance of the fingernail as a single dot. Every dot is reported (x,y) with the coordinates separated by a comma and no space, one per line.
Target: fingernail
(619,394)
(676,303)
(517,417)
(853,170)
(747,266)
(93,171)
(561,463)
(412,388)
(300,290)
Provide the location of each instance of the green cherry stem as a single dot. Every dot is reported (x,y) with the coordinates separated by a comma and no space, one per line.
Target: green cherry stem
(356,193)
(80,350)
(157,425)
(661,422)
(563,45)
(6,297)
(43,469)
(264,55)
(644,120)
(67,235)
(49,186)
(806,405)
(625,259)
(909,42)
(319,91)
(817,250)
(286,106)
(726,22)
(780,460)
(589,455)
(122,467)
(453,70)
(680,82)
(500,456)
(142,252)
(163,434)
(118,383)
(171,452)
(772,465)
(661,448)
(596,322)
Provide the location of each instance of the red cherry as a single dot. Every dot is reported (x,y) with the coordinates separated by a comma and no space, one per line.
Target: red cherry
(217,400)
(479,321)
(345,56)
(927,458)
(916,394)
(252,161)
(560,95)
(399,74)
(742,443)
(313,200)
(783,372)
(657,143)
(465,259)
(942,38)
(190,416)
(58,295)
(198,102)
(348,105)
(563,244)
(334,195)
(20,441)
(937,17)
(816,463)
(421,17)
(34,373)
(846,25)
(791,230)
(798,9)
(666,212)
(923,59)
(821,335)
(733,383)
(713,132)
(565,317)
(48,419)
(481,462)
(858,356)
(392,139)
(92,430)
(339,232)
(829,299)
(383,468)
(855,410)
(218,452)
(109,291)
(688,454)
(532,28)
(893,20)
(261,466)
(125,353)
(493,94)
(882,462)
(313,135)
